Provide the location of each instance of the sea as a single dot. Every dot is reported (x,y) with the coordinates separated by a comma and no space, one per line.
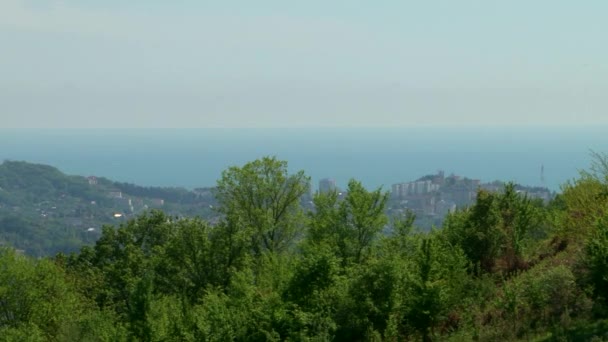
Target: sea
(379,157)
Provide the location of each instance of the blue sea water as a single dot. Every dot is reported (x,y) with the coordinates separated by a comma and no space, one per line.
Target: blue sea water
(376,156)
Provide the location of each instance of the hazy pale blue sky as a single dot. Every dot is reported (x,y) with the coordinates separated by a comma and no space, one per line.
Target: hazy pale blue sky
(94,63)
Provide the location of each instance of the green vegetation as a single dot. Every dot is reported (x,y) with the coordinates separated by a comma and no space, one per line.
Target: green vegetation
(43,211)
(506,268)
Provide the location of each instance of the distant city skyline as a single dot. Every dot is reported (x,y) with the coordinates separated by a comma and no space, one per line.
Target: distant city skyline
(137,64)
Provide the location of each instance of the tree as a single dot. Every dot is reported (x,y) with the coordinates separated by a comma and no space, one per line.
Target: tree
(597,259)
(599,167)
(36,297)
(364,212)
(476,231)
(125,254)
(492,231)
(263,199)
(351,225)
(585,200)
(403,240)
(186,265)
(518,217)
(435,284)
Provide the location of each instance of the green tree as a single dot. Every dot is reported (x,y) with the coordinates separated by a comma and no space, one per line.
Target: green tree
(187,264)
(518,217)
(585,201)
(365,216)
(139,310)
(231,250)
(403,241)
(125,254)
(374,299)
(493,231)
(313,294)
(597,259)
(349,225)
(36,297)
(263,199)
(476,230)
(434,285)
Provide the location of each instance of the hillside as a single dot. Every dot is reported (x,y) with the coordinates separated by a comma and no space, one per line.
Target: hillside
(506,268)
(44,211)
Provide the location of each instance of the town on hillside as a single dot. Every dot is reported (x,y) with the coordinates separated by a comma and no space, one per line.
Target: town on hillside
(433,196)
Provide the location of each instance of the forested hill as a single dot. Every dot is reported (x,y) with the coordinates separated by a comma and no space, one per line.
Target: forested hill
(506,268)
(44,211)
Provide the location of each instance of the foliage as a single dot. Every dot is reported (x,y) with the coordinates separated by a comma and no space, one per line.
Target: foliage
(264,200)
(597,259)
(43,211)
(349,226)
(435,285)
(507,268)
(493,232)
(39,302)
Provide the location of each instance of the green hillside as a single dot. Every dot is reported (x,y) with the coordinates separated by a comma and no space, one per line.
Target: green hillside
(506,268)
(43,211)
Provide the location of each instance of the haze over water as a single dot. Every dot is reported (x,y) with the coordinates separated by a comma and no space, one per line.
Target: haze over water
(376,156)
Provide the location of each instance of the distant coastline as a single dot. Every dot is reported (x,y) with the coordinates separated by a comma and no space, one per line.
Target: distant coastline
(377,156)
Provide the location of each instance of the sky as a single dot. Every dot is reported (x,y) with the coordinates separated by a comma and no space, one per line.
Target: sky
(242,63)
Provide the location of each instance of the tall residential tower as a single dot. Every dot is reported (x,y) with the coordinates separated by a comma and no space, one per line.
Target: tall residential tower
(327,185)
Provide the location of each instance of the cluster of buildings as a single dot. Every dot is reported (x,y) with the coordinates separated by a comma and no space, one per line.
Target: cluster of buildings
(127,204)
(402,190)
(433,196)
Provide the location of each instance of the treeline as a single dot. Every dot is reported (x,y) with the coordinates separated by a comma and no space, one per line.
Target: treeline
(506,268)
